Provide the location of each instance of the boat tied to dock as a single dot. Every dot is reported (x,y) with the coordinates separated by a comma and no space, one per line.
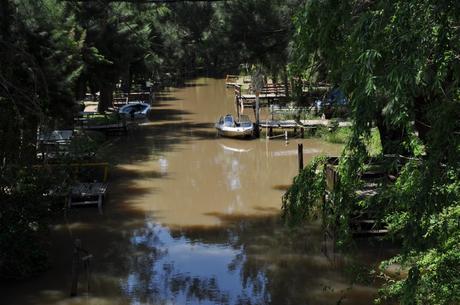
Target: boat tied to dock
(227,126)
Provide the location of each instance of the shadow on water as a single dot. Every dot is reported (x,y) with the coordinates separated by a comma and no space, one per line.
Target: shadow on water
(191,85)
(150,141)
(165,97)
(166,114)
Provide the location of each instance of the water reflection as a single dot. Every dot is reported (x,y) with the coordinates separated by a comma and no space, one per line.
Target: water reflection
(190,272)
(248,260)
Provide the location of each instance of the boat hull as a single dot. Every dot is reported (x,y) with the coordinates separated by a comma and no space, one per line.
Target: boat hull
(236,132)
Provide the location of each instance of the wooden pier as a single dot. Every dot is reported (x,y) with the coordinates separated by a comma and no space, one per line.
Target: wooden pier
(86,121)
(54,144)
(232,81)
(271,93)
(363,221)
(300,125)
(122,99)
(87,194)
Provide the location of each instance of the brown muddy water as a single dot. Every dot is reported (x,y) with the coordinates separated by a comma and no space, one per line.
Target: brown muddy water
(192,218)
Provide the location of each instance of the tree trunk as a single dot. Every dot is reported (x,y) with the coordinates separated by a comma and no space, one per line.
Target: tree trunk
(421,122)
(80,88)
(286,81)
(106,97)
(9,135)
(5,19)
(391,138)
(29,140)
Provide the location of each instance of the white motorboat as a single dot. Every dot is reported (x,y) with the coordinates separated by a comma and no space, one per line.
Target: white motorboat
(135,110)
(227,126)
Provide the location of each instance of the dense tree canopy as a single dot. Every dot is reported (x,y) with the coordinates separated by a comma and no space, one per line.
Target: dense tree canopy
(398,61)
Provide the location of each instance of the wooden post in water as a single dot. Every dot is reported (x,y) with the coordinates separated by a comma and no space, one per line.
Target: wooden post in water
(76,259)
(257,113)
(237,106)
(300,156)
(302,132)
(257,80)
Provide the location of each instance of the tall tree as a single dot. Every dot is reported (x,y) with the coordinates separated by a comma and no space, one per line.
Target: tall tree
(39,61)
(116,38)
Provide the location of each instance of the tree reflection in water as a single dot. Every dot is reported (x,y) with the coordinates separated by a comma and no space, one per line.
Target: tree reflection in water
(247,260)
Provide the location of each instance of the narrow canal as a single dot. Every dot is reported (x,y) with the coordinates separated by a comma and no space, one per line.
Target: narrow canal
(192,218)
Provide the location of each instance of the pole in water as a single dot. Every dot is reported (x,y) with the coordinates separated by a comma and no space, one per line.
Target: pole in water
(256,114)
(300,156)
(75,267)
(286,136)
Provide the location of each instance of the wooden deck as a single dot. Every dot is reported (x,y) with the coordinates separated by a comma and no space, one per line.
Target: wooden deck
(87,194)
(54,144)
(282,124)
(232,80)
(270,93)
(84,121)
(363,221)
(300,124)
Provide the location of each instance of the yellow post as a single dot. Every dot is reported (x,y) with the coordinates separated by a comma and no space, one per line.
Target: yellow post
(106,170)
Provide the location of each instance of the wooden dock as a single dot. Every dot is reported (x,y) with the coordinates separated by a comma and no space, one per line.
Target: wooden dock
(120,125)
(271,93)
(83,194)
(54,144)
(296,126)
(281,124)
(122,99)
(232,81)
(306,124)
(116,127)
(363,221)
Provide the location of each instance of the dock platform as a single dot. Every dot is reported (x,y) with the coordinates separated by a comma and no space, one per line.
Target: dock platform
(83,194)
(301,123)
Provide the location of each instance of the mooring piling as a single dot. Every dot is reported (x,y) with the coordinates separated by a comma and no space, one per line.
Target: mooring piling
(300,156)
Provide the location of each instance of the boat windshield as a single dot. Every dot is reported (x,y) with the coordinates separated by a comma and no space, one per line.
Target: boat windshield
(244,121)
(228,121)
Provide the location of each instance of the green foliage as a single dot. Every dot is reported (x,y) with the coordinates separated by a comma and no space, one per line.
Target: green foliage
(395,60)
(338,136)
(85,145)
(104,119)
(303,198)
(27,201)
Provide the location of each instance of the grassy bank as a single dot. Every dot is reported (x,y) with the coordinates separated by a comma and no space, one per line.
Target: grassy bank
(342,135)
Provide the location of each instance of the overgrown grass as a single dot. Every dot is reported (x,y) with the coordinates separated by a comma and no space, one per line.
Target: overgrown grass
(338,136)
(296,115)
(342,135)
(104,119)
